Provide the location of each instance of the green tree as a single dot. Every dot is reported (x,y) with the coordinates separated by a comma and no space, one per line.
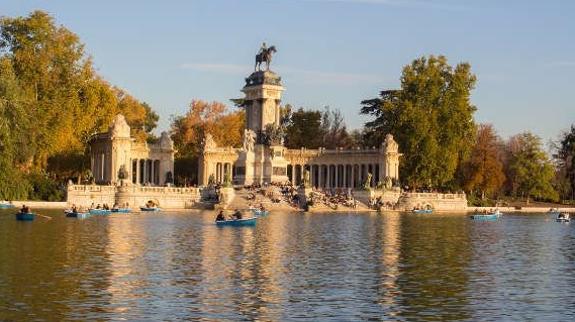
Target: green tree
(431,118)
(13,137)
(565,157)
(483,171)
(304,129)
(54,102)
(531,173)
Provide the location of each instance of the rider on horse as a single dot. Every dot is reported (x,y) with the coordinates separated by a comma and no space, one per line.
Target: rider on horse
(263,49)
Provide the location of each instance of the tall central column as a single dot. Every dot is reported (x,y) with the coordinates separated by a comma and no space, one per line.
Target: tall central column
(264,161)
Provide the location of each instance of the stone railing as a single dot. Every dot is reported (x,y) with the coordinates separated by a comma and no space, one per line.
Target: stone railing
(437,201)
(133,195)
(434,195)
(91,188)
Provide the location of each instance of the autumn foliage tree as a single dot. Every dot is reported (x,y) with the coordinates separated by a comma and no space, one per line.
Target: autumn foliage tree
(189,131)
(483,172)
(55,100)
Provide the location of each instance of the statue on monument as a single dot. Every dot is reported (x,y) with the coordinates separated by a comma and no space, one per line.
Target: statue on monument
(306,180)
(209,142)
(249,140)
(367,183)
(264,55)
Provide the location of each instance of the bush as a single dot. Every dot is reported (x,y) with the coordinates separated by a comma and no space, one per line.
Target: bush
(475,201)
(45,188)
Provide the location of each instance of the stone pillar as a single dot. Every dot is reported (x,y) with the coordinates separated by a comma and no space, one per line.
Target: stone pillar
(153,173)
(336,185)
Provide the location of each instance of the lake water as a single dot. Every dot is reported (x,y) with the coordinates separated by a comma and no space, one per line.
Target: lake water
(290,266)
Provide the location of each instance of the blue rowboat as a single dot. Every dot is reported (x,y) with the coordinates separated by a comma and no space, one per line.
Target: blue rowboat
(79,215)
(150,208)
(99,211)
(25,216)
(488,216)
(4,205)
(122,210)
(260,213)
(422,211)
(238,222)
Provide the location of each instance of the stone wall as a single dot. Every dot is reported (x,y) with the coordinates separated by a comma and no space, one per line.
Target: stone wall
(437,201)
(133,196)
(85,195)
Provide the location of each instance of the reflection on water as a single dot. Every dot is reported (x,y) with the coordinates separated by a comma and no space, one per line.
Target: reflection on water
(291,265)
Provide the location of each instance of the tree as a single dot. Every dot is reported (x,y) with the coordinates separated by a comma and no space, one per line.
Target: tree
(531,173)
(483,171)
(565,157)
(334,130)
(189,130)
(13,128)
(54,102)
(304,129)
(431,118)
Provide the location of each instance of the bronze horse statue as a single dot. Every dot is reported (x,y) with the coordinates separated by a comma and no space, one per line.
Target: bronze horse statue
(264,56)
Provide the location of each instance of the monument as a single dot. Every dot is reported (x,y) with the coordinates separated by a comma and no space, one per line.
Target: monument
(264,159)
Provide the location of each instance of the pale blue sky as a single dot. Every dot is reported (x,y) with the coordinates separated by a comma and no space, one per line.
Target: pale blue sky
(332,52)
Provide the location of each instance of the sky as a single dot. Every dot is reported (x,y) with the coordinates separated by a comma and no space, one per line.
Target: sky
(332,53)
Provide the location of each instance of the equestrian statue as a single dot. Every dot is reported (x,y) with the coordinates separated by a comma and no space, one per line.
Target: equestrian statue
(264,55)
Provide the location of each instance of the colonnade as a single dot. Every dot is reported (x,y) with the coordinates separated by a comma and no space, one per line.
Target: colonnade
(337,175)
(221,171)
(146,171)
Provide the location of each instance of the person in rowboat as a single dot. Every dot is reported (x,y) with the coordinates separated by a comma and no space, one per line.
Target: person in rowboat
(237,214)
(25,209)
(220,216)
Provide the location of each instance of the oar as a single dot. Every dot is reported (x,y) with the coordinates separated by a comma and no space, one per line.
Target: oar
(47,217)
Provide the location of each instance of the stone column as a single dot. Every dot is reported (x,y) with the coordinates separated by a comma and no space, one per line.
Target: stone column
(344,175)
(336,185)
(153,174)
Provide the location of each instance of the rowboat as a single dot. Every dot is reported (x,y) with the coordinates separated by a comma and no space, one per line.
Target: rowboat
(260,213)
(79,215)
(238,222)
(563,217)
(122,210)
(99,211)
(150,208)
(422,211)
(488,216)
(6,205)
(25,216)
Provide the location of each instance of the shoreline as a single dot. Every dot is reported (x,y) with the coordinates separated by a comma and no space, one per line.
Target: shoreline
(64,205)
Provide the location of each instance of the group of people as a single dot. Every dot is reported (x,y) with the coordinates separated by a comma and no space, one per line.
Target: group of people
(25,209)
(237,214)
(98,206)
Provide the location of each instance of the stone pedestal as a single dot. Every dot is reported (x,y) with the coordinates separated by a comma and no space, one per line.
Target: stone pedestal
(245,168)
(363,196)
(226,196)
(275,166)
(303,194)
